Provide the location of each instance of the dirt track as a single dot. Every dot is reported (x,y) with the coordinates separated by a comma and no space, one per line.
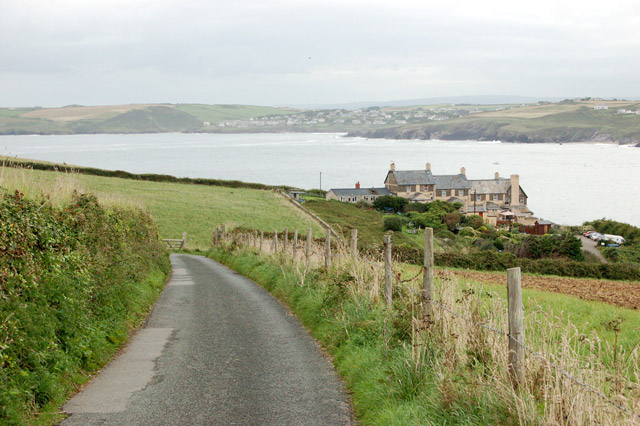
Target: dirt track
(620,293)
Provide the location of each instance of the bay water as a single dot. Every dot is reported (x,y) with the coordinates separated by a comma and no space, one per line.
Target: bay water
(567,184)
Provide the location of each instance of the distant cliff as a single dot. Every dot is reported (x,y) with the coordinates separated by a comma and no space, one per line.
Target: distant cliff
(489,130)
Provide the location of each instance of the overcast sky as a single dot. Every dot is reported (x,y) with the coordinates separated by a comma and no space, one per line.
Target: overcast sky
(276,52)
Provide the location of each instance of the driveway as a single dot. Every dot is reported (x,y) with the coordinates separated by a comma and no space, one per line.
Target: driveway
(590,246)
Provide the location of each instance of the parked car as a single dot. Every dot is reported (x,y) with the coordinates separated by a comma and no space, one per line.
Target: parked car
(586,234)
(615,238)
(596,236)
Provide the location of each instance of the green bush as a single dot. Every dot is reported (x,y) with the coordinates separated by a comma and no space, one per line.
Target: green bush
(72,281)
(467,231)
(391,203)
(393,223)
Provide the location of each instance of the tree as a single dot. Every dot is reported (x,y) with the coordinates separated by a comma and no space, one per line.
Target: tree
(390,203)
(452,220)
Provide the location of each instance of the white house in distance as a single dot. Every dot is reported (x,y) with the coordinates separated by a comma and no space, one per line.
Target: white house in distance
(353,195)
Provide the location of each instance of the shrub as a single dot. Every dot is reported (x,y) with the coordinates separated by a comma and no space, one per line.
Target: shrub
(71,281)
(467,231)
(474,221)
(390,203)
(393,223)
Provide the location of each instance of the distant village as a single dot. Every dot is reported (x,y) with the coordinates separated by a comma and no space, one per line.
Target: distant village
(498,200)
(373,116)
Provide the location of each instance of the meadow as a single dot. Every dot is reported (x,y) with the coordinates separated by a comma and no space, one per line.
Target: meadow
(177,208)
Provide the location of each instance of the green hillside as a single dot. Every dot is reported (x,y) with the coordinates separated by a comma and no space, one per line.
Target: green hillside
(217,113)
(176,207)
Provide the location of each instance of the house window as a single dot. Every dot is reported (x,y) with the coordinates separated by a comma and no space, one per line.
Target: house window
(408,188)
(495,197)
(425,187)
(521,200)
(478,197)
(460,192)
(341,198)
(443,193)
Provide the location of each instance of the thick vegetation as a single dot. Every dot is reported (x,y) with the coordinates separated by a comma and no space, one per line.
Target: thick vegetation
(73,281)
(476,245)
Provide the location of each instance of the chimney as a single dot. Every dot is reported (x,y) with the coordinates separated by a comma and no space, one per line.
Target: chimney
(428,167)
(358,185)
(392,167)
(463,171)
(497,175)
(515,190)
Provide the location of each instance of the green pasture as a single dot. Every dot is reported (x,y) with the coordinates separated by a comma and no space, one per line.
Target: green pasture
(178,208)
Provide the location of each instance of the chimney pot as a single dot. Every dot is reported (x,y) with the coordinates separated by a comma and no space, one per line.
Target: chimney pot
(392,167)
(497,175)
(463,171)
(428,167)
(358,185)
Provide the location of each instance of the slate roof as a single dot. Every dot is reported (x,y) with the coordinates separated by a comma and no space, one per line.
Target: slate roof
(414,177)
(350,192)
(490,186)
(451,182)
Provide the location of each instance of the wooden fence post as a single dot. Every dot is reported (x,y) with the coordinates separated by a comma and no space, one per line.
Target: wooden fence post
(388,274)
(224,231)
(327,250)
(427,279)
(295,244)
(307,250)
(285,239)
(255,238)
(216,236)
(516,326)
(275,241)
(184,240)
(354,243)
(261,239)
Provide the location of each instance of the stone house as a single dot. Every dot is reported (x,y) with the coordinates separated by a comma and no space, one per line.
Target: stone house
(485,197)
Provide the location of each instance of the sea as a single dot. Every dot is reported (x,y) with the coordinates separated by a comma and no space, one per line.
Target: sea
(566,183)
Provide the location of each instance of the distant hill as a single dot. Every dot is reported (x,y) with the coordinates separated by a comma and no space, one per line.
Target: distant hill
(135,118)
(566,121)
(509,119)
(471,100)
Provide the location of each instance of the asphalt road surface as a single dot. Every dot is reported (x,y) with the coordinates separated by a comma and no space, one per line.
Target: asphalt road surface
(217,350)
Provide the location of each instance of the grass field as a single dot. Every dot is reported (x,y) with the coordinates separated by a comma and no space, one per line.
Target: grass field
(217,113)
(344,216)
(177,208)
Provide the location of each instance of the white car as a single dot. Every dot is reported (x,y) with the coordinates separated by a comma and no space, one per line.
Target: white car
(596,236)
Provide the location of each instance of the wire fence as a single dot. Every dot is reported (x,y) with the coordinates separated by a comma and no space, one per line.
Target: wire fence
(404,283)
(527,348)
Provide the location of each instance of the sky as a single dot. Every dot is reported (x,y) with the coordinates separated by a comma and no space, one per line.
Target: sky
(288,52)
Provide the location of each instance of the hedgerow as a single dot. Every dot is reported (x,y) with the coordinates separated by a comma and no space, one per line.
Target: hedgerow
(73,281)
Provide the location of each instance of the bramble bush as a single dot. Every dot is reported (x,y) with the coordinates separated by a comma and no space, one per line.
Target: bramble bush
(72,283)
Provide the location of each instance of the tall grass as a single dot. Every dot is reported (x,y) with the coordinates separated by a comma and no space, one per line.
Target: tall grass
(402,370)
(57,189)
(177,207)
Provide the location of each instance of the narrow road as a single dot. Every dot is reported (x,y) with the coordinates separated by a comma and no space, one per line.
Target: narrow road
(592,247)
(217,350)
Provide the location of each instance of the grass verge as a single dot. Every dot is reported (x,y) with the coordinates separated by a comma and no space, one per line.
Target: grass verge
(401,372)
